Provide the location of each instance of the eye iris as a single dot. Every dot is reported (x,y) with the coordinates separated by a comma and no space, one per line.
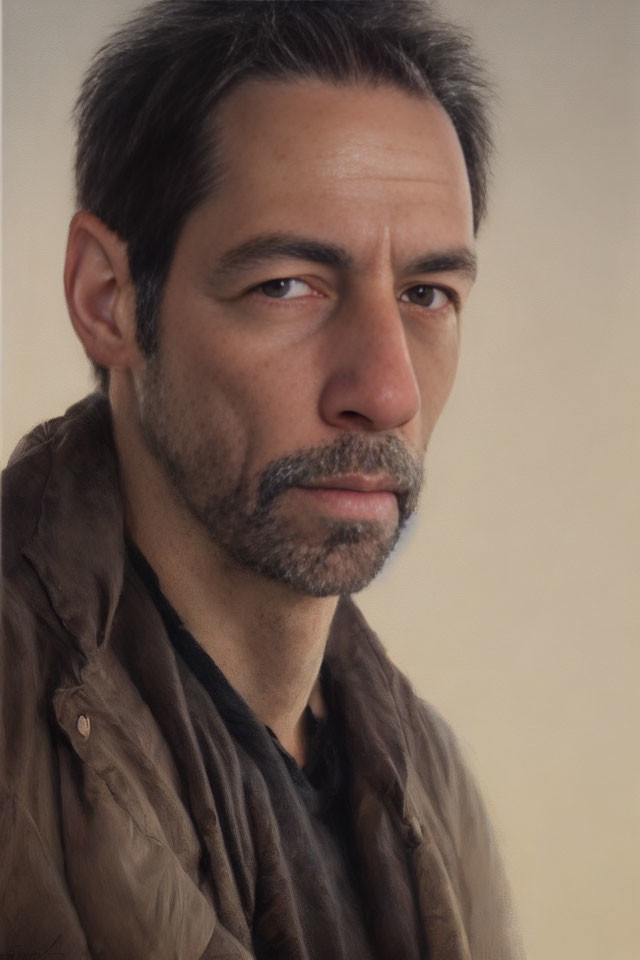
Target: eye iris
(276,288)
(423,295)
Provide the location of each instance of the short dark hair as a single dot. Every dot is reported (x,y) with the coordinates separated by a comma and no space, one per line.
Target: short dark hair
(145,115)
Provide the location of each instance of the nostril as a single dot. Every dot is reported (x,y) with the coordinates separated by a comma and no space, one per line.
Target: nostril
(355,417)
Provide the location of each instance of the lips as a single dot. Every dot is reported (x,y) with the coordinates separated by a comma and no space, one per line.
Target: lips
(357,483)
(354,498)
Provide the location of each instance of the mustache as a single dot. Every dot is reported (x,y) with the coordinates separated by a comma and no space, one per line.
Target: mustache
(348,454)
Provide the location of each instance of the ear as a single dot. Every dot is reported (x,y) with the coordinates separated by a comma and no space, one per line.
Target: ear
(100,294)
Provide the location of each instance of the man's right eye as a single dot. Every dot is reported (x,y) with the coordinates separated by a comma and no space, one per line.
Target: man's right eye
(285,288)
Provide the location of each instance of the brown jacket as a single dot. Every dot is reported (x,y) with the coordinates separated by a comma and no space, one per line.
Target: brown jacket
(111,838)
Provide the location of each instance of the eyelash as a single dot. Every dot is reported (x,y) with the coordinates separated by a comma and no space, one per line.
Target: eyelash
(450,294)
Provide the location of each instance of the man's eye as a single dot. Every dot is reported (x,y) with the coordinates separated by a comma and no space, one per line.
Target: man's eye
(424,295)
(287,288)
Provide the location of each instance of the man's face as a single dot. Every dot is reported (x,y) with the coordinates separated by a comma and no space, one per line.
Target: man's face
(309,329)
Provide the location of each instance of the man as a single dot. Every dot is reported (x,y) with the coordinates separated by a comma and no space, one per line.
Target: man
(206,752)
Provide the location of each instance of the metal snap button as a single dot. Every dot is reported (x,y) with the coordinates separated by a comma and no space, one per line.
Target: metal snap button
(83,725)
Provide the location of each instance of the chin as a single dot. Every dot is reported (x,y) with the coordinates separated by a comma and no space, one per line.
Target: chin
(346,562)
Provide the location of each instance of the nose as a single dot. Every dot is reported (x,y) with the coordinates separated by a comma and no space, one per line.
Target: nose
(372,382)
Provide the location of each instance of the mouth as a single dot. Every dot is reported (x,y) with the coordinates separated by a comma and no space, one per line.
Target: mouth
(358,483)
(355,498)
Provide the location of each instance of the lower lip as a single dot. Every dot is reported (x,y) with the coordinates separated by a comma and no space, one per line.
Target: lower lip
(353,504)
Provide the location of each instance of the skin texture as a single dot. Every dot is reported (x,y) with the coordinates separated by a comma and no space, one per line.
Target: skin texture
(340,372)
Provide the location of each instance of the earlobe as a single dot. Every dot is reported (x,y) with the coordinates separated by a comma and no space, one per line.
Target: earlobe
(99,292)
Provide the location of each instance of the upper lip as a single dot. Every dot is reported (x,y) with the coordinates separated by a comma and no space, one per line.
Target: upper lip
(357,481)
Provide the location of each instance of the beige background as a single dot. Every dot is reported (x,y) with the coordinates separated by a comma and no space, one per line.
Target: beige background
(514,603)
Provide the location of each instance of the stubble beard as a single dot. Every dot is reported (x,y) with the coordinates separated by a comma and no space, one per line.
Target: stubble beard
(247,517)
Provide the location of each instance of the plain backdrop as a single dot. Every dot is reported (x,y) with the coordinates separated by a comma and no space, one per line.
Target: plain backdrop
(514,602)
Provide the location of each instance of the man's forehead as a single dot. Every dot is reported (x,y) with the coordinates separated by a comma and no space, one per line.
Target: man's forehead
(304,154)
(337,123)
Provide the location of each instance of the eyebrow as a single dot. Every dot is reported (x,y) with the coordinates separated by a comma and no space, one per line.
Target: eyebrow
(461,261)
(278,246)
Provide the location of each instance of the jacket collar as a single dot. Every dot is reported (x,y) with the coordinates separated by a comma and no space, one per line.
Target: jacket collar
(77,548)
(372,702)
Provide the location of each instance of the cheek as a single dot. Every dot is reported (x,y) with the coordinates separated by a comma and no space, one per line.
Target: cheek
(449,364)
(265,400)
(436,369)
(282,400)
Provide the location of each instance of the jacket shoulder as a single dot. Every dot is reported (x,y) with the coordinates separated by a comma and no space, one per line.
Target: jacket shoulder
(441,780)
(23,484)
(29,468)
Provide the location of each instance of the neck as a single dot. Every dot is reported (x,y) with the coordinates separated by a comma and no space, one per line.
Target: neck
(267,639)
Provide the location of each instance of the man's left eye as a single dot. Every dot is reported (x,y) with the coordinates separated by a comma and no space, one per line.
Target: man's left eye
(287,288)
(425,295)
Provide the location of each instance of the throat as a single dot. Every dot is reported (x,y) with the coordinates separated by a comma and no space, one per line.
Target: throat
(267,640)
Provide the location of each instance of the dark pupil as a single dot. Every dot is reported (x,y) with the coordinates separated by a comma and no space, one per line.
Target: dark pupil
(276,288)
(423,295)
